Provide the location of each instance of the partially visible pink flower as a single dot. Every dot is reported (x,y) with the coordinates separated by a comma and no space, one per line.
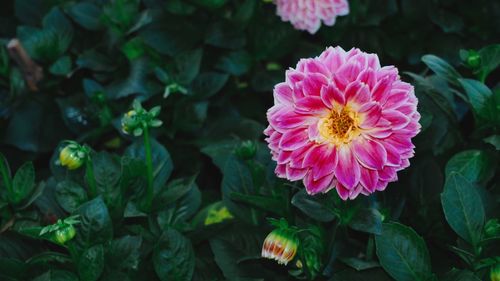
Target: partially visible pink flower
(308,14)
(342,121)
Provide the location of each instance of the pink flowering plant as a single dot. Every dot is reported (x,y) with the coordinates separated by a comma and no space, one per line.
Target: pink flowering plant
(217,140)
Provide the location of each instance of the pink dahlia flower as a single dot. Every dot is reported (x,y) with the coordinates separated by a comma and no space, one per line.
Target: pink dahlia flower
(342,121)
(308,14)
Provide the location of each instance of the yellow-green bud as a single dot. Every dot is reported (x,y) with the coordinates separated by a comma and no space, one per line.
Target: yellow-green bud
(72,156)
(217,215)
(281,245)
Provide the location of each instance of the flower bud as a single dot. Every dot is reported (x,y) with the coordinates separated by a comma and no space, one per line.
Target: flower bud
(492,228)
(72,156)
(136,120)
(495,272)
(281,245)
(217,216)
(246,150)
(474,59)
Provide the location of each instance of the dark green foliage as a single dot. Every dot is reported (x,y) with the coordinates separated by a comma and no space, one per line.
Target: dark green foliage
(211,65)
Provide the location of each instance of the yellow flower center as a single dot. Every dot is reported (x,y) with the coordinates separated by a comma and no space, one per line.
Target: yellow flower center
(339,127)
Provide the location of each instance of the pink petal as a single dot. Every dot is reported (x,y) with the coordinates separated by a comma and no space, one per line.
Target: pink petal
(285,118)
(333,58)
(295,174)
(331,96)
(370,116)
(311,105)
(313,84)
(398,119)
(322,159)
(283,94)
(294,139)
(393,156)
(280,171)
(381,90)
(357,93)
(346,74)
(387,173)
(368,77)
(355,192)
(347,171)
(314,66)
(342,191)
(369,153)
(317,186)
(369,179)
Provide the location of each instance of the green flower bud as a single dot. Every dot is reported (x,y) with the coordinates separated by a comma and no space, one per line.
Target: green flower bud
(492,228)
(135,121)
(72,156)
(473,59)
(217,215)
(246,150)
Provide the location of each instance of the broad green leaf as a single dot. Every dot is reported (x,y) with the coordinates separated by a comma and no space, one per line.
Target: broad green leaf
(133,84)
(460,275)
(70,195)
(235,63)
(107,174)
(188,65)
(490,59)
(181,210)
(208,84)
(477,166)
(173,258)
(364,275)
(317,207)
(403,253)
(479,97)
(212,4)
(12,268)
(493,140)
(463,208)
(91,263)
(171,36)
(441,68)
(162,162)
(86,14)
(23,183)
(367,220)
(173,191)
(268,203)
(124,253)
(61,67)
(95,223)
(238,178)
(56,275)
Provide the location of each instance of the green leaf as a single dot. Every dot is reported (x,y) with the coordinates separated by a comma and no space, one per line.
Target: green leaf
(162,162)
(107,175)
(317,207)
(268,203)
(95,223)
(61,67)
(463,208)
(477,166)
(367,220)
(211,4)
(208,84)
(70,195)
(171,36)
(490,59)
(56,275)
(493,140)
(181,210)
(355,275)
(188,65)
(173,258)
(235,63)
(12,268)
(402,253)
(91,263)
(238,178)
(173,191)
(23,183)
(124,253)
(86,14)
(441,68)
(479,97)
(460,275)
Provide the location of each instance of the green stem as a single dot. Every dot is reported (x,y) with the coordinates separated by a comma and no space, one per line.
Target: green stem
(149,167)
(369,248)
(5,175)
(90,177)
